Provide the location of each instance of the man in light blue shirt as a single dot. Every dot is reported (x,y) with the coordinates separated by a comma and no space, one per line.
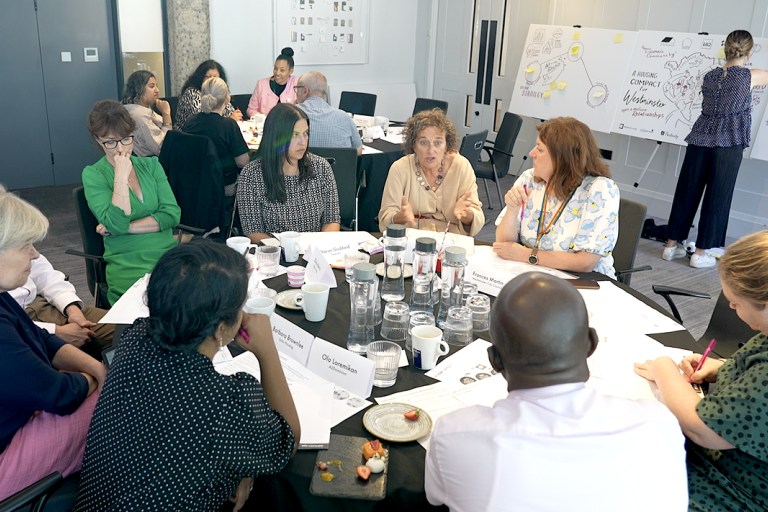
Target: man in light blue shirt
(329,127)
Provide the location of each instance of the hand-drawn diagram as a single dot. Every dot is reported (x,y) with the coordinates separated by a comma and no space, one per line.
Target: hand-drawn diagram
(683,87)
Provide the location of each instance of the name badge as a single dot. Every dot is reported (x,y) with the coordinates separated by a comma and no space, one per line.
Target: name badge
(291,339)
(342,367)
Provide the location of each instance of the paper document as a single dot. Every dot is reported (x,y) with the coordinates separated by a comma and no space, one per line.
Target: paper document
(368,150)
(130,306)
(330,236)
(470,364)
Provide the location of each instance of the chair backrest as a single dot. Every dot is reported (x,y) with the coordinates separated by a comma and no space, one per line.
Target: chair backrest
(173,101)
(428,104)
(472,145)
(93,243)
(344,164)
(35,494)
(631,219)
(192,166)
(730,331)
(505,141)
(358,103)
(240,101)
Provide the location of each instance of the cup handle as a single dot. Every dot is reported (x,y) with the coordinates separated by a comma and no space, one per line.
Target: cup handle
(298,300)
(442,348)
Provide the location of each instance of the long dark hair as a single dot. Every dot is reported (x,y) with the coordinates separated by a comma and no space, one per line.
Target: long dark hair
(134,87)
(278,132)
(196,79)
(195,287)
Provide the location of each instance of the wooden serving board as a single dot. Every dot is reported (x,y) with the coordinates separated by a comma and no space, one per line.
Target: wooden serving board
(346,484)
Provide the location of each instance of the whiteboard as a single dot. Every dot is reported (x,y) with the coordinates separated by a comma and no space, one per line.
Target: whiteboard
(323,31)
(569,71)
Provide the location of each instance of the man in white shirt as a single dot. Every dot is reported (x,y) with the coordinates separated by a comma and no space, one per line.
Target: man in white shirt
(329,127)
(52,302)
(554,444)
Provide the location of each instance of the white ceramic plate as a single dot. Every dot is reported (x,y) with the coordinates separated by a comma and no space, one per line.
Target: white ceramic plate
(386,421)
(285,299)
(407,271)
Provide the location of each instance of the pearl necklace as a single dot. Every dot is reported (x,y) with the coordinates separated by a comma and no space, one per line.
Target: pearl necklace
(423,180)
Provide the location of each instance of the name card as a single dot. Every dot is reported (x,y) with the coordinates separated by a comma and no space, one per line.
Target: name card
(488,279)
(318,269)
(291,339)
(333,250)
(342,367)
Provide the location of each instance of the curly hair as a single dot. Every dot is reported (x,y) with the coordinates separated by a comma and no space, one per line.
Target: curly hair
(744,268)
(738,44)
(194,288)
(197,78)
(574,153)
(426,119)
(134,87)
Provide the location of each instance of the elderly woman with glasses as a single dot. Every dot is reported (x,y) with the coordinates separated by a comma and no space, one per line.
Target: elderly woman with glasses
(130,197)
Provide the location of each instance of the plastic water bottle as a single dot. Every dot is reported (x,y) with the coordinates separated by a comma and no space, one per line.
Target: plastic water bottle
(395,241)
(424,259)
(454,263)
(363,291)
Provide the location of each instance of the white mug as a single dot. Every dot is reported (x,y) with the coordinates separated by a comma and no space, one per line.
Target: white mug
(313,299)
(428,346)
(290,240)
(382,121)
(239,243)
(260,305)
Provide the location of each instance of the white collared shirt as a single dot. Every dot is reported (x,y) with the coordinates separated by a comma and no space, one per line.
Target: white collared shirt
(564,447)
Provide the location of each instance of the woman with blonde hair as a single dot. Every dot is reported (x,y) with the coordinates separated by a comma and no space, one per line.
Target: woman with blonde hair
(48,386)
(727,452)
(570,204)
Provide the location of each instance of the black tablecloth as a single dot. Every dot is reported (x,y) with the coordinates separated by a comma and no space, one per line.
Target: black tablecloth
(376,168)
(405,485)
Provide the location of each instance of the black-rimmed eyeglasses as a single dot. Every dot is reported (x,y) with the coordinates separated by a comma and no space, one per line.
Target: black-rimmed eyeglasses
(297,87)
(112,144)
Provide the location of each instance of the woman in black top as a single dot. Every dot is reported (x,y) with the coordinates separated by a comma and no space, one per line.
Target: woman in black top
(169,432)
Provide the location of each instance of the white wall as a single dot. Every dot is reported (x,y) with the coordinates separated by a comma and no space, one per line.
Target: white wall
(141,25)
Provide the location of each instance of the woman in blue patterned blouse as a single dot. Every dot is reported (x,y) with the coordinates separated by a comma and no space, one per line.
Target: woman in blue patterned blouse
(715,147)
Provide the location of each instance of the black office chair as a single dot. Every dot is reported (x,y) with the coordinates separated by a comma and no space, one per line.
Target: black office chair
(240,101)
(35,496)
(173,101)
(631,219)
(499,155)
(358,103)
(344,164)
(472,146)
(428,104)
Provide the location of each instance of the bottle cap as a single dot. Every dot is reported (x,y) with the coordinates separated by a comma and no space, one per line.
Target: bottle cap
(395,231)
(425,244)
(364,271)
(455,254)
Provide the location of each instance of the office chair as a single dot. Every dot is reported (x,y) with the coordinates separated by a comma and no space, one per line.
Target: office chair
(343,161)
(240,101)
(631,219)
(499,155)
(472,146)
(35,496)
(428,104)
(357,103)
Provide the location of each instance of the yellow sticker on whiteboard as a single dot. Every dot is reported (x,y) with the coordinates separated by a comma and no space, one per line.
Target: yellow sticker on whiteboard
(618,38)
(553,86)
(574,50)
(546,94)
(529,70)
(598,93)
(562,85)
(577,36)
(721,53)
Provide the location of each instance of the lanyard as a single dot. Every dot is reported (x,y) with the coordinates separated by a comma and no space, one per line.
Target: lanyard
(540,230)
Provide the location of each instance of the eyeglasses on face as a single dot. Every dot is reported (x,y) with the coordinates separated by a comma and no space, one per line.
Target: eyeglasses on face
(112,144)
(296,88)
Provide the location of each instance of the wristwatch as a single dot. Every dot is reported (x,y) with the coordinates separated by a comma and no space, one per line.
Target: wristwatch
(533,259)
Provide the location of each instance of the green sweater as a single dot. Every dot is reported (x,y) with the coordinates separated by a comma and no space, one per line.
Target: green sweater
(131,256)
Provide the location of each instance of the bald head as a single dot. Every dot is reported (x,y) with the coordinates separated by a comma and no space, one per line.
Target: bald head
(315,83)
(540,332)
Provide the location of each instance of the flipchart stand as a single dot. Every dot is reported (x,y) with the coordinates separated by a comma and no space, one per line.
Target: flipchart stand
(648,164)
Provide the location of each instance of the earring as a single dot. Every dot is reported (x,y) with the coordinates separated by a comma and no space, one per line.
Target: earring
(221,344)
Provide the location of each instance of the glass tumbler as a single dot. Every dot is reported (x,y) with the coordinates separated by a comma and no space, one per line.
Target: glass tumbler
(268,258)
(458,326)
(480,304)
(395,322)
(417,318)
(351,259)
(469,289)
(386,356)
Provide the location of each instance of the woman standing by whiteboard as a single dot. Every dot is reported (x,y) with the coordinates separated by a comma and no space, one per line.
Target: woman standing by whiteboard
(715,148)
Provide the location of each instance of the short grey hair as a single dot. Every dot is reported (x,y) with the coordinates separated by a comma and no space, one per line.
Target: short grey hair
(20,221)
(213,94)
(315,82)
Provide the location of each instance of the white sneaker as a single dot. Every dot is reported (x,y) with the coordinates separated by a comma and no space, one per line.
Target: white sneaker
(703,261)
(670,253)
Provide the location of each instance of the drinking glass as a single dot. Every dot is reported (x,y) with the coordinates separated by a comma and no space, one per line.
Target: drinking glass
(386,357)
(269,259)
(417,318)
(469,289)
(458,326)
(395,322)
(353,258)
(480,305)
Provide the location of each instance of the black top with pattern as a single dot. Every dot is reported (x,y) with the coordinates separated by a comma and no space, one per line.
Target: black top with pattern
(190,103)
(170,433)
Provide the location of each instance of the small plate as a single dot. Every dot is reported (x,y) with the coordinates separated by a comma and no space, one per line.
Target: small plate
(386,421)
(407,271)
(285,299)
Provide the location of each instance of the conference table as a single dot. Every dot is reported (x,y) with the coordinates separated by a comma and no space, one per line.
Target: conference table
(405,484)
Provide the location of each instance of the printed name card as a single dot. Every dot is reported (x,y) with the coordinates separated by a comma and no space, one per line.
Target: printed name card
(318,269)
(488,279)
(342,367)
(333,250)
(291,339)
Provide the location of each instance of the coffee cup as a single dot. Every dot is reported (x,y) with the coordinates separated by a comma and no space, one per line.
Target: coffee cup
(313,299)
(239,243)
(427,345)
(290,240)
(260,305)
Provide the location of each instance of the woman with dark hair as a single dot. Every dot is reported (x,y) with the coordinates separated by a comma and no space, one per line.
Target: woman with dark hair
(278,88)
(570,218)
(139,95)
(286,188)
(171,433)
(130,197)
(190,97)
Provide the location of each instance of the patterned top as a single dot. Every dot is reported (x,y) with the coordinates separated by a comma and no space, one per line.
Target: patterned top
(170,433)
(309,205)
(737,410)
(726,109)
(329,127)
(190,104)
(589,223)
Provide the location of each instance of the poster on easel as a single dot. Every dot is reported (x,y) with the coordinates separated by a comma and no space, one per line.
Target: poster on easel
(323,31)
(572,71)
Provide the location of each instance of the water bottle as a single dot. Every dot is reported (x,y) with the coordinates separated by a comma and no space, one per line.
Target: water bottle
(454,262)
(393,286)
(424,258)
(362,294)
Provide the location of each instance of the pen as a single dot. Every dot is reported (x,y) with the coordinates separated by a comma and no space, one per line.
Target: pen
(522,206)
(445,233)
(704,356)
(244,334)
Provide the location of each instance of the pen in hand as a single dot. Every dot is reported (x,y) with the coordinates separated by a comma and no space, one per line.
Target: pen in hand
(242,332)
(522,206)
(704,356)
